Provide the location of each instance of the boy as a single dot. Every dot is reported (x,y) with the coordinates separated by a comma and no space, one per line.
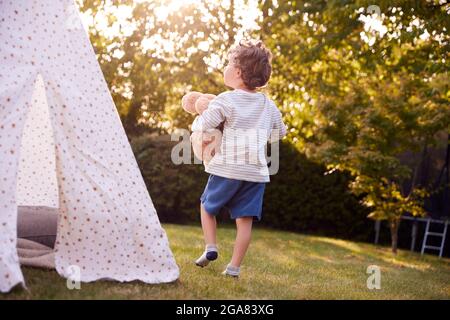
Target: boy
(239,171)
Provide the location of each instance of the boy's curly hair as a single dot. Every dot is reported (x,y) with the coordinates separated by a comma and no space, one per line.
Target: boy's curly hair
(255,62)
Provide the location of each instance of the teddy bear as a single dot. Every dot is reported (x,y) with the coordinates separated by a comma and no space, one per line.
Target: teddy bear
(205,144)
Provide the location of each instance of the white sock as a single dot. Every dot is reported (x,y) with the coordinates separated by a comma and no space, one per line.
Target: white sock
(209,255)
(232,271)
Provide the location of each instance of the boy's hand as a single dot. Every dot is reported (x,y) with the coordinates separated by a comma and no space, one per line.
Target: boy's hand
(205,144)
(207,140)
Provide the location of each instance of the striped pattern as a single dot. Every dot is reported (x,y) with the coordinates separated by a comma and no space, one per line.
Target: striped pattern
(250,120)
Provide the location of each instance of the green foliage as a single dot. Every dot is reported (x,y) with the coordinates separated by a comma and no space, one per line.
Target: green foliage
(175,189)
(357,96)
(152,61)
(300,197)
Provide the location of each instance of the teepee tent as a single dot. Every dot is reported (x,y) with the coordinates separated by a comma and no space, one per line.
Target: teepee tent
(62,145)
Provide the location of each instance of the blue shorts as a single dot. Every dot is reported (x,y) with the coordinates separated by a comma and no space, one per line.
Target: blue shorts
(241,198)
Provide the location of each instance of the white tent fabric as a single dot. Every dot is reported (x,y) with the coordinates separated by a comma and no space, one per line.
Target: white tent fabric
(60,131)
(36,183)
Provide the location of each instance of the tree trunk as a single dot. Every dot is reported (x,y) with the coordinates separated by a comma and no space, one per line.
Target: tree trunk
(418,168)
(265,28)
(394,225)
(231,24)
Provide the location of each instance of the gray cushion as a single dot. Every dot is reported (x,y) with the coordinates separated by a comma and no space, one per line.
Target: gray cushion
(38,224)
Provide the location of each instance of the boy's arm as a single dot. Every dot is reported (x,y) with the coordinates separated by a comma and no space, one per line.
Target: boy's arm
(218,110)
(279,129)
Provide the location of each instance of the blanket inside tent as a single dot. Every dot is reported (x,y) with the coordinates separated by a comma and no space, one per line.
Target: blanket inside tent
(62,146)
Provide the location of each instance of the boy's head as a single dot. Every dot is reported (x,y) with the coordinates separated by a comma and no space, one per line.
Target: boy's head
(249,66)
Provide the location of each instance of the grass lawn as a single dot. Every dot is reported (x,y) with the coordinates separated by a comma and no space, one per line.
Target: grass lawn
(279,265)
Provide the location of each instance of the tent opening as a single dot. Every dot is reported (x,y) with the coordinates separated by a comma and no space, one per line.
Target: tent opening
(37,187)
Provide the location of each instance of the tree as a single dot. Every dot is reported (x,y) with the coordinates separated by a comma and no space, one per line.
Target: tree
(359,89)
(158,52)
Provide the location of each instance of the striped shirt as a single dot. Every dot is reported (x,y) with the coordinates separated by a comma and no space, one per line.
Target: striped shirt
(250,121)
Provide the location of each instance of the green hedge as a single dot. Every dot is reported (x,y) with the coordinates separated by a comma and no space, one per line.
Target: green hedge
(174,189)
(299,198)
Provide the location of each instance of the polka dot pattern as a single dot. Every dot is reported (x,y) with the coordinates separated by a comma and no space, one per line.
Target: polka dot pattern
(36,183)
(54,100)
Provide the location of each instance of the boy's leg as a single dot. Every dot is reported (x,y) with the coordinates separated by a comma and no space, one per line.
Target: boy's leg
(209,227)
(243,237)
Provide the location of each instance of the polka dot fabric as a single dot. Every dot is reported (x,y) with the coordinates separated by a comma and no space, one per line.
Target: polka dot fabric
(108,226)
(36,182)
